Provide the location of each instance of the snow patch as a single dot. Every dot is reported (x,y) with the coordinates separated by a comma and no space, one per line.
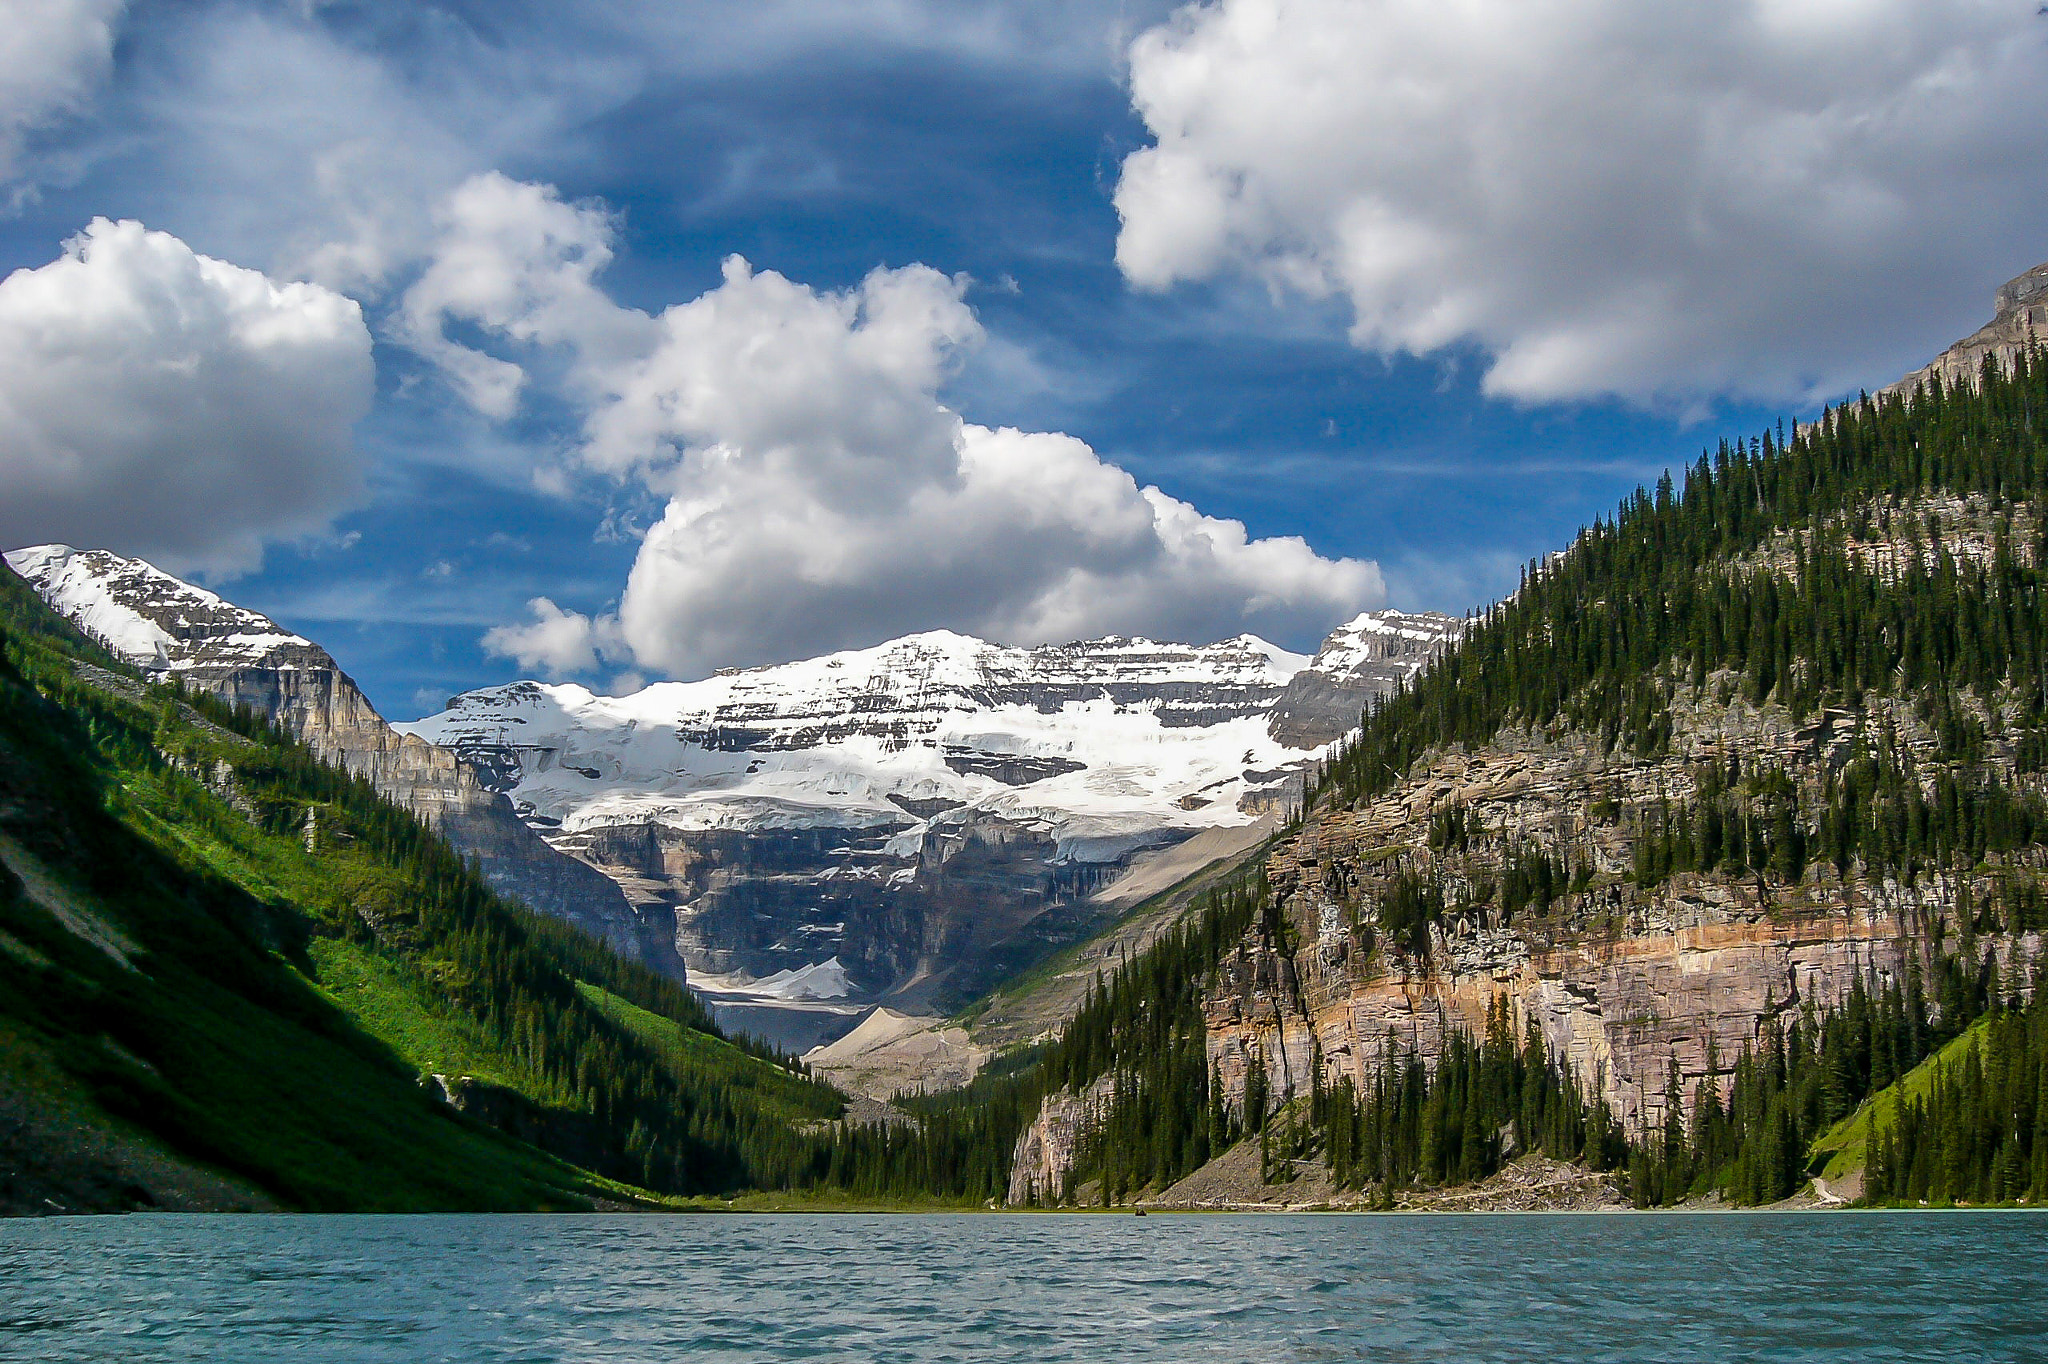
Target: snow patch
(151,619)
(1106,745)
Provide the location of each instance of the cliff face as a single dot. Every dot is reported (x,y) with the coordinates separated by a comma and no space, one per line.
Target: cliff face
(1373,656)
(920,923)
(323,707)
(174,629)
(933,813)
(1403,916)
(1748,745)
(1050,1146)
(2019,318)
(1624,980)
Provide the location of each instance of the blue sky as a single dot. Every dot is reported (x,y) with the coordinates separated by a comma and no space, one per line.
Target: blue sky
(1429,299)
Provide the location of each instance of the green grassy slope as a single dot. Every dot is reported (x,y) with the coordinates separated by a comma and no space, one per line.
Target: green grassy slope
(1844,1149)
(184,1023)
(213,947)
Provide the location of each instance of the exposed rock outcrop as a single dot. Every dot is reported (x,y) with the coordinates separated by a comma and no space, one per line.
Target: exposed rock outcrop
(1624,980)
(1629,976)
(1046,1150)
(1373,656)
(2019,319)
(935,812)
(922,915)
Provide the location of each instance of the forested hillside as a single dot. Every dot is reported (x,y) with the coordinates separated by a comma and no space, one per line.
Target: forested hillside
(225,968)
(1730,818)
(1733,817)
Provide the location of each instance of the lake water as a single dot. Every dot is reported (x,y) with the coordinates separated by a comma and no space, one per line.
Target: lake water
(1839,1287)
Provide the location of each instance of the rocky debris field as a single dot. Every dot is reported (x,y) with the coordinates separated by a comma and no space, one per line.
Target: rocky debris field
(1532,1184)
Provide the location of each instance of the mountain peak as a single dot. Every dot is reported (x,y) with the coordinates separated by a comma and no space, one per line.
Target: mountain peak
(157,622)
(2019,318)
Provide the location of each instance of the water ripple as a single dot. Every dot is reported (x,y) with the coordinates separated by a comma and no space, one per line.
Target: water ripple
(620,1290)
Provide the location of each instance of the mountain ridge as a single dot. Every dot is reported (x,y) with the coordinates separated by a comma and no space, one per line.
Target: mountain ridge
(933,812)
(1724,821)
(171,629)
(855,782)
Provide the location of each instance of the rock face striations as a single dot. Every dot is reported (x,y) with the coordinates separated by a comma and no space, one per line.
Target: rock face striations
(171,628)
(1735,756)
(932,813)
(1631,982)
(1373,656)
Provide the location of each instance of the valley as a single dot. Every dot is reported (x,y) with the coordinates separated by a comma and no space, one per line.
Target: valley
(908,825)
(1708,864)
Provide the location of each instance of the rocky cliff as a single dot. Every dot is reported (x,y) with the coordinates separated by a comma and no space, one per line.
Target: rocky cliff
(2019,318)
(172,628)
(1624,979)
(1741,750)
(1371,657)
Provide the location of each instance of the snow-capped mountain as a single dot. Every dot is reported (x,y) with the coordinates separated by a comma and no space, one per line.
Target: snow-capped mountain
(165,625)
(1108,745)
(910,822)
(927,813)
(1375,654)
(155,621)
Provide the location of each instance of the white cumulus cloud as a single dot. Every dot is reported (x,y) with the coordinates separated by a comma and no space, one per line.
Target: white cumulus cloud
(1777,198)
(516,259)
(555,641)
(53,55)
(164,403)
(819,492)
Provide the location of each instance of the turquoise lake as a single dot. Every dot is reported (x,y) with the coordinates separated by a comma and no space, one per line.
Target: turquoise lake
(480,1290)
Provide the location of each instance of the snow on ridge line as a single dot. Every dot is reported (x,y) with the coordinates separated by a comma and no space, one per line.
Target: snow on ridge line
(1367,637)
(938,660)
(94,589)
(886,742)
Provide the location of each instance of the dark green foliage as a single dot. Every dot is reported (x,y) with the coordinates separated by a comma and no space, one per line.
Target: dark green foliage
(1145,1029)
(210,1043)
(960,1152)
(1757,585)
(1660,594)
(1980,1132)
(1880,811)
(1799,1080)
(1410,905)
(132,787)
(1412,1124)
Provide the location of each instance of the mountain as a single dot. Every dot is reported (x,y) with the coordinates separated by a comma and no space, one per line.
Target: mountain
(908,824)
(1726,821)
(926,816)
(234,976)
(2019,319)
(172,629)
(1363,661)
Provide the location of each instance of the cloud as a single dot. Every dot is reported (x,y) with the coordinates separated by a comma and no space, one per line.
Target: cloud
(555,641)
(312,139)
(168,404)
(296,147)
(53,55)
(514,258)
(820,494)
(1776,198)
